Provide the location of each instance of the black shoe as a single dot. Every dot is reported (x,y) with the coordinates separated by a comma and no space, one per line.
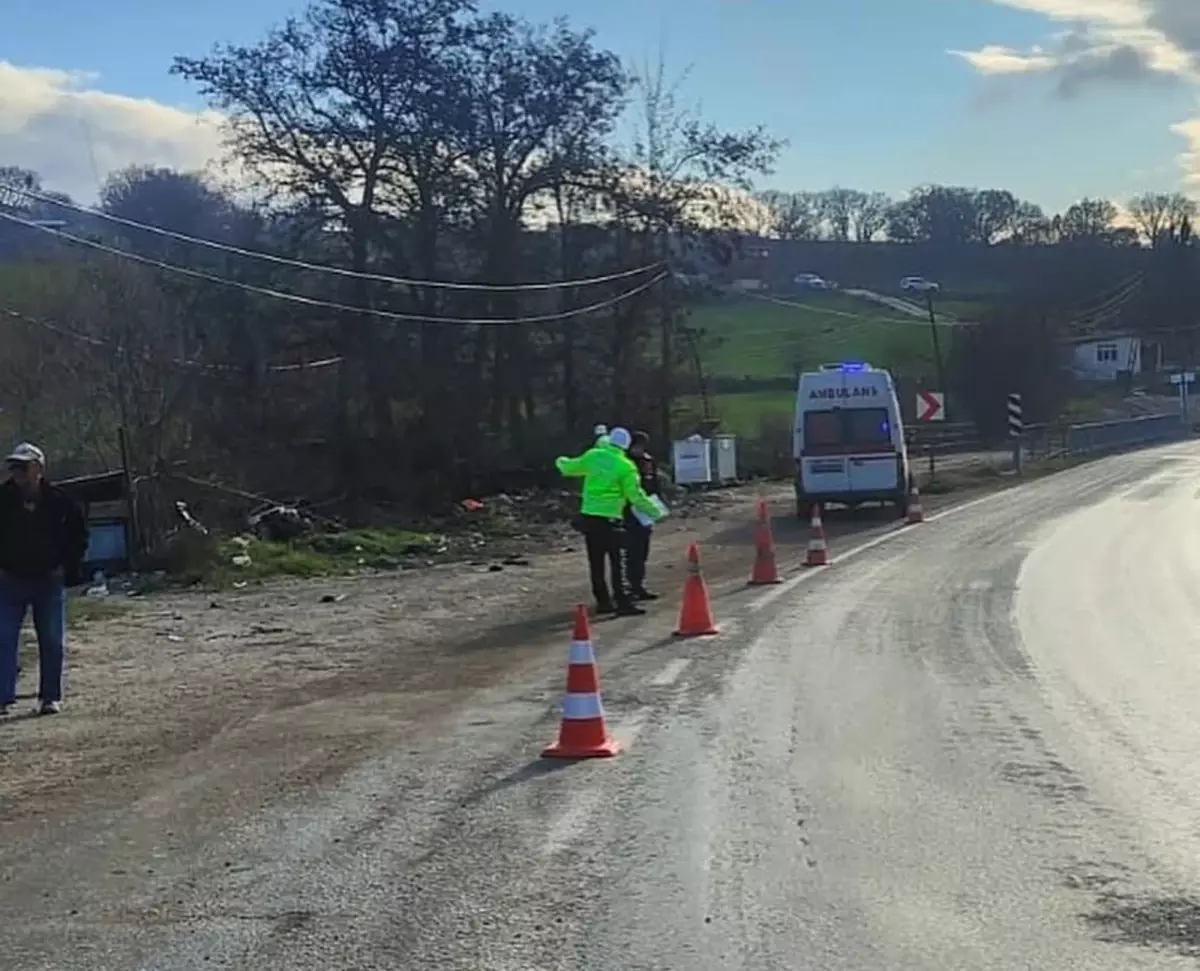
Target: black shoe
(629,610)
(643,594)
(605,607)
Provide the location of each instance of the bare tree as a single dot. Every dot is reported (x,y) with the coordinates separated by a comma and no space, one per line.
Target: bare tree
(319,110)
(1089,220)
(870,215)
(1160,217)
(673,183)
(794,215)
(838,207)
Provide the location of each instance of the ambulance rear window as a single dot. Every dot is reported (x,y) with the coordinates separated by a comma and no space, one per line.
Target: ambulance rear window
(868,426)
(846,429)
(822,428)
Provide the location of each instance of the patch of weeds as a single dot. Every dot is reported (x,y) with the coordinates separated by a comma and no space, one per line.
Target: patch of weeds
(82,610)
(245,558)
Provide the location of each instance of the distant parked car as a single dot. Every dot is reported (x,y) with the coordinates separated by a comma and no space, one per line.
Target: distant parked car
(918,284)
(810,281)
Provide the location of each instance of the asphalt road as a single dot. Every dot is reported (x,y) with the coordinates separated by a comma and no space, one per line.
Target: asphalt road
(966,745)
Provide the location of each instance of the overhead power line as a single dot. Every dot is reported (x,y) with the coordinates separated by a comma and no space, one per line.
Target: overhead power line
(16,315)
(341,271)
(1109,308)
(329,304)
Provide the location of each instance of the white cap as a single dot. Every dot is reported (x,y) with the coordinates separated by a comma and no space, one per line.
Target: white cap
(27,452)
(621,438)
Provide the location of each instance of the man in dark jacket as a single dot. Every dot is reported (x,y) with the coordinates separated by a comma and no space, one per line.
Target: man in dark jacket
(637,534)
(43,540)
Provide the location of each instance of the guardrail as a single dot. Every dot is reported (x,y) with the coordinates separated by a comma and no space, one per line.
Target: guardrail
(1113,436)
(1050,440)
(943,438)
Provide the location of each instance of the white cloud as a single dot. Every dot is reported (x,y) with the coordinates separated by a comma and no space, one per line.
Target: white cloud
(995,59)
(71,132)
(1189,160)
(1110,41)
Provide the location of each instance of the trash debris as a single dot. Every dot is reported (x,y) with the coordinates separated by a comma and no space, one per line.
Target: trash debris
(99,587)
(279,523)
(182,511)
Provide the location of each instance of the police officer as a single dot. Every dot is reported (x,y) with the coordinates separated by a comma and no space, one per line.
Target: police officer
(610,483)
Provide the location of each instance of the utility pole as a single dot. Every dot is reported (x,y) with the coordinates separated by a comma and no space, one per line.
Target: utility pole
(937,347)
(667,350)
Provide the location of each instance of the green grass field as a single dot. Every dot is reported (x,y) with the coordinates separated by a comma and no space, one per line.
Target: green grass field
(742,414)
(962,309)
(762,341)
(765,340)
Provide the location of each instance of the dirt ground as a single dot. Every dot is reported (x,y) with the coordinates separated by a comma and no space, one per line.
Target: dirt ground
(172,692)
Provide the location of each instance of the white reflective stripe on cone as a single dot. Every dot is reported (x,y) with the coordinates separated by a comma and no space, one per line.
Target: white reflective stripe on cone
(582,706)
(580,653)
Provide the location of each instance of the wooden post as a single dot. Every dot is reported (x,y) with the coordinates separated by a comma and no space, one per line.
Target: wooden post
(133,533)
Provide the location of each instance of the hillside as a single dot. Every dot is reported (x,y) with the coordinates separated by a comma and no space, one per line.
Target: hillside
(757,339)
(761,345)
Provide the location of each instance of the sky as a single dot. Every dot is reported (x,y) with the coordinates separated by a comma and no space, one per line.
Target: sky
(1053,99)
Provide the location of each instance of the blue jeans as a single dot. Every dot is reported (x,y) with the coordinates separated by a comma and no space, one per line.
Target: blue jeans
(46,597)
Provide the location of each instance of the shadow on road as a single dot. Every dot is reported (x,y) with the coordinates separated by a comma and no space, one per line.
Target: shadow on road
(520,632)
(1166,922)
(537,769)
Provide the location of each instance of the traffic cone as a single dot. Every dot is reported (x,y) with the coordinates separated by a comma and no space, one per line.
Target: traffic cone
(915,513)
(765,569)
(818,550)
(582,733)
(695,614)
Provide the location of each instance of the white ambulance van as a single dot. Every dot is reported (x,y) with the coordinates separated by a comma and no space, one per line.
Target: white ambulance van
(849,439)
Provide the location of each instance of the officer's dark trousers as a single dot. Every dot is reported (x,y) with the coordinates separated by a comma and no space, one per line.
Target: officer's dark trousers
(637,551)
(605,539)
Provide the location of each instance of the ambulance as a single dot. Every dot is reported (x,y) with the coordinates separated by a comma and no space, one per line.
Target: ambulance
(849,441)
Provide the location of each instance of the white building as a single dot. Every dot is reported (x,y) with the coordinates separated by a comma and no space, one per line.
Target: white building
(1104,357)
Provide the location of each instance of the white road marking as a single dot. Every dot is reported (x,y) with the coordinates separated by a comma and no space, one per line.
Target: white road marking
(629,729)
(670,674)
(573,823)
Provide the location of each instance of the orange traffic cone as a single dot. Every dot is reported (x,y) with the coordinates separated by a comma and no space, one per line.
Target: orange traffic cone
(582,733)
(818,550)
(695,614)
(915,513)
(765,569)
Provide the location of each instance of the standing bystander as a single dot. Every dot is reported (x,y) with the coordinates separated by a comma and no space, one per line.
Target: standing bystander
(637,532)
(43,540)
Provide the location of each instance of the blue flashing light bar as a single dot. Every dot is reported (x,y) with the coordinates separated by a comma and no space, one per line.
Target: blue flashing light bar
(854,366)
